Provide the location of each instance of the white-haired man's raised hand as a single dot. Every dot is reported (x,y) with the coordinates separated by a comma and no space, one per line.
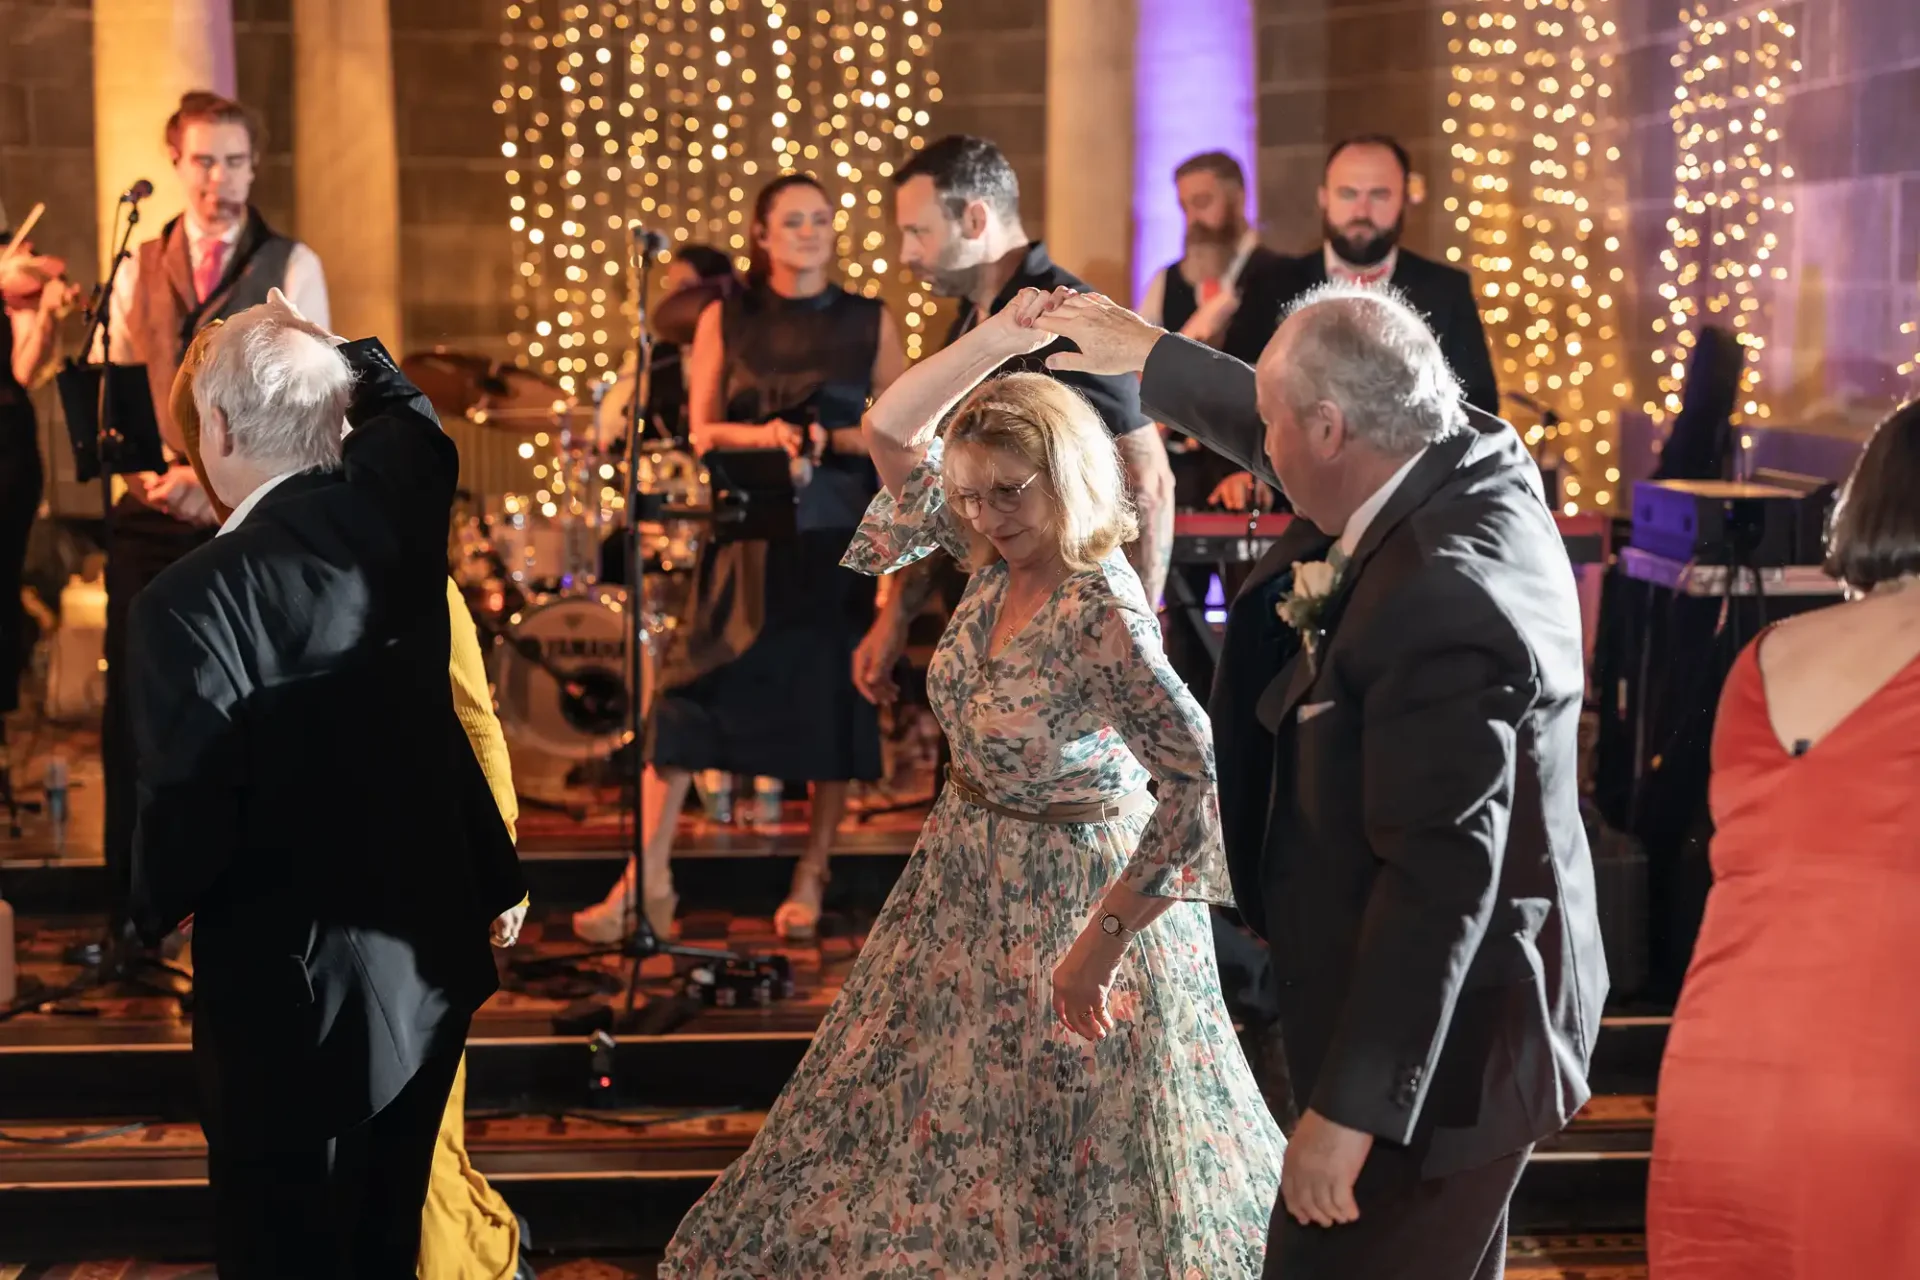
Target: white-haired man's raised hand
(289,315)
(1112,339)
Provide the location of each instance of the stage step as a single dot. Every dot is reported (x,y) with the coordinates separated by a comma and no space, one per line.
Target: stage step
(620,1181)
(738,866)
(589,1184)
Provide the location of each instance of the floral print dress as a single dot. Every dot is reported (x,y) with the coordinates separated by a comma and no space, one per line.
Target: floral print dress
(945,1122)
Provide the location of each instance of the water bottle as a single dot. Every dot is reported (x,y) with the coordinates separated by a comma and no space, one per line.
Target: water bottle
(55,784)
(767,795)
(716,793)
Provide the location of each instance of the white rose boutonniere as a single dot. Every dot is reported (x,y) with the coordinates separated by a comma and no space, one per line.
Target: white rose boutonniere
(1314,582)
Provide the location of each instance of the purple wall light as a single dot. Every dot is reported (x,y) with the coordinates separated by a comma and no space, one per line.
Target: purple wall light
(1193,91)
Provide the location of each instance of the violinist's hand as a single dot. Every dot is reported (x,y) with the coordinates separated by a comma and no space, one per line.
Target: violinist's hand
(57,296)
(26,278)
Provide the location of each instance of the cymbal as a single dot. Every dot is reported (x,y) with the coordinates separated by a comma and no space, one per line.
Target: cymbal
(522,420)
(490,392)
(451,380)
(678,314)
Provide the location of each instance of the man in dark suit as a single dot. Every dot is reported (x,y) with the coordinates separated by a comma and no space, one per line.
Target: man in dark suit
(1418,861)
(309,799)
(1363,205)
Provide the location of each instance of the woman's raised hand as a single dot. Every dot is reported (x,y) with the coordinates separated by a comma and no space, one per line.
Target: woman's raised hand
(1013,327)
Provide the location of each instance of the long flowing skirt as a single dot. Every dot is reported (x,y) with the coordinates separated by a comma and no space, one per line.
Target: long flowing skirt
(946,1124)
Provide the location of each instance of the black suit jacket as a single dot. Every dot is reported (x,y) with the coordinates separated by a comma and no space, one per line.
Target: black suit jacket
(1444,295)
(306,792)
(1420,867)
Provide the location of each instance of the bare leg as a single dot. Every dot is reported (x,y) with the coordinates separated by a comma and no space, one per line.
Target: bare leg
(799,916)
(663,793)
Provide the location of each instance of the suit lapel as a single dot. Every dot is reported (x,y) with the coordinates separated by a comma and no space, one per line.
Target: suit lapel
(1286,690)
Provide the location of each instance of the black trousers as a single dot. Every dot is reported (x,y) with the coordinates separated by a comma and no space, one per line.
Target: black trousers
(293,1208)
(141,542)
(21,483)
(1410,1228)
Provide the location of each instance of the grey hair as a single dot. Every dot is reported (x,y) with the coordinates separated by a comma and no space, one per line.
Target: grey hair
(283,391)
(1365,349)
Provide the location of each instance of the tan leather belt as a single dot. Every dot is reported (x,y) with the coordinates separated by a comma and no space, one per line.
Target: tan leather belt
(1054,814)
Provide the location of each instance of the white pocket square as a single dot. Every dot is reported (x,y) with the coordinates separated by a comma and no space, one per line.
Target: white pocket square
(1312,709)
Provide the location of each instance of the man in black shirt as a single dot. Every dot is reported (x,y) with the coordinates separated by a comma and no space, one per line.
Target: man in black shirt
(957,203)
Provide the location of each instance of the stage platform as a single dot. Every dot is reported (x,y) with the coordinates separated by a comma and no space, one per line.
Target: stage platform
(601,1172)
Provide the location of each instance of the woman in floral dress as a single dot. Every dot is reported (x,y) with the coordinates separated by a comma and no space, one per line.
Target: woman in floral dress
(1030,1072)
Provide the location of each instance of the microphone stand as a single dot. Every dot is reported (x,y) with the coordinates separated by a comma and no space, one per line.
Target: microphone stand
(656,1017)
(117,960)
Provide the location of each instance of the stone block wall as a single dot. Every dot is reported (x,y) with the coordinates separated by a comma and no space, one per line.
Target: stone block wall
(1329,69)
(263,75)
(1851,130)
(46,156)
(992,61)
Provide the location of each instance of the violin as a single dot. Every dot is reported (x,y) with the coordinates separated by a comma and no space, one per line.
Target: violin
(26,276)
(25,279)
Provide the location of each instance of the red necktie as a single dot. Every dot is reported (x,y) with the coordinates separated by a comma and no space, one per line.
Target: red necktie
(206,276)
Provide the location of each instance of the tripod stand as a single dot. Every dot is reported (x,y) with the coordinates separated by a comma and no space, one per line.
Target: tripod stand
(643,942)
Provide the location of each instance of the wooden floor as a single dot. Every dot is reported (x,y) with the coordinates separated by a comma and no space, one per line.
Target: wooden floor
(1555,1258)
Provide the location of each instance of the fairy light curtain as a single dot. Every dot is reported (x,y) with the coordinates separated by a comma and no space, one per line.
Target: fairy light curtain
(1729,216)
(669,114)
(1541,215)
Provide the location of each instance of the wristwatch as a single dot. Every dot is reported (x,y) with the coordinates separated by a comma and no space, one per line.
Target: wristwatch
(1114,927)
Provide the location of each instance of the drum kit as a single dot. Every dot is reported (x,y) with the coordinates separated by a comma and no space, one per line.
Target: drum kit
(533,565)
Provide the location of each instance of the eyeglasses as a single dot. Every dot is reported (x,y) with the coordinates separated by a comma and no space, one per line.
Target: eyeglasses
(1004,498)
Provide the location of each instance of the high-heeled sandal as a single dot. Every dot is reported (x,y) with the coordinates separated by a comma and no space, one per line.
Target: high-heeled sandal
(612,919)
(798,919)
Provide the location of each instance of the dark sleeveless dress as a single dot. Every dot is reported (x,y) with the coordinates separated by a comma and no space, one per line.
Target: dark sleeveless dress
(759,679)
(21,481)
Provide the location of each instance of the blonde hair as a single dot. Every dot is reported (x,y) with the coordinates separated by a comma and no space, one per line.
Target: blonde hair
(1056,431)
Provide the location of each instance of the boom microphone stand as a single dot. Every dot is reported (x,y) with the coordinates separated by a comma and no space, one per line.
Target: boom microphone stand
(111,426)
(659,1017)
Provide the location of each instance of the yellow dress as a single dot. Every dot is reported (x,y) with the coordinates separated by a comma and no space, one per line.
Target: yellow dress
(466,1230)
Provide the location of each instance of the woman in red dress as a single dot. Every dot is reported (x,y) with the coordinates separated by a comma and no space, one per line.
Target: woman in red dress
(1787,1145)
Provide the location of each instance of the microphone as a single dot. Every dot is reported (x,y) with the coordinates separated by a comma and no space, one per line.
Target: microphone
(647,240)
(137,192)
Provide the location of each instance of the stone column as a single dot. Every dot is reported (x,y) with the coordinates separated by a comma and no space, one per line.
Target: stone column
(1090,108)
(346,172)
(146,53)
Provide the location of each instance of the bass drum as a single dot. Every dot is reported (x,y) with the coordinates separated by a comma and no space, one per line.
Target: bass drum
(561,678)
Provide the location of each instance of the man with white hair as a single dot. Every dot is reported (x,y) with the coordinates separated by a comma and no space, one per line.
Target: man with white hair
(1396,716)
(309,799)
